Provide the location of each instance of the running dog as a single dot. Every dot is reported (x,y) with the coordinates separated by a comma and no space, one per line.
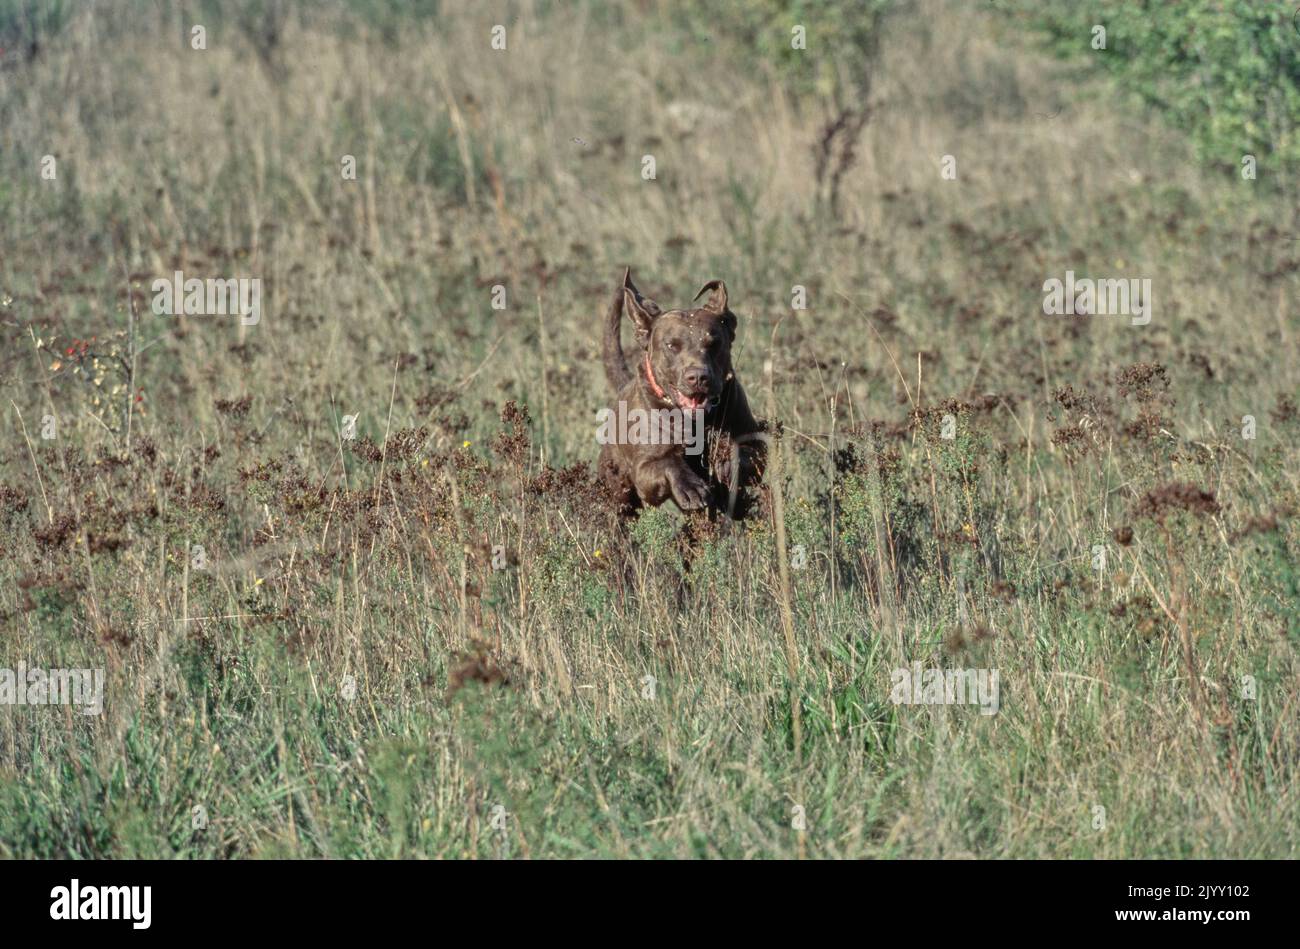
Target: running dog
(683,375)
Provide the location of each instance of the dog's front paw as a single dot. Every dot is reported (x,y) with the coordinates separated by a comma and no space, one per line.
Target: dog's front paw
(690,491)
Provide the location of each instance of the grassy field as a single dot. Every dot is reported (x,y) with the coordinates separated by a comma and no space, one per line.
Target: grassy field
(435,639)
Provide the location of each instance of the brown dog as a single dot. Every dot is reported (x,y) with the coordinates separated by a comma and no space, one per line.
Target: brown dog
(685,385)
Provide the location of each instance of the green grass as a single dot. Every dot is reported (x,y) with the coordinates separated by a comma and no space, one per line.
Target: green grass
(351,677)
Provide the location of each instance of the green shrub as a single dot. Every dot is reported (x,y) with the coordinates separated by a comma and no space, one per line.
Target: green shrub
(26,26)
(1226,72)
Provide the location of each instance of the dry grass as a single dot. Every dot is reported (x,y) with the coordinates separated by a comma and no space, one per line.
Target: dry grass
(332,562)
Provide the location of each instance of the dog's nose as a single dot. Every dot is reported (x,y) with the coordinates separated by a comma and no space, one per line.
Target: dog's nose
(696,378)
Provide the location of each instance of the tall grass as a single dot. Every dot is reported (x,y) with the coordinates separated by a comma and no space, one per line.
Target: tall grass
(351,674)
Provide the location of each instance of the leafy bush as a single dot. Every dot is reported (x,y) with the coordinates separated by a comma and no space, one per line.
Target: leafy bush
(26,26)
(841,38)
(1227,72)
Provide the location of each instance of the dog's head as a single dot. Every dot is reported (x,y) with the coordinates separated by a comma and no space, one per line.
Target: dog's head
(688,352)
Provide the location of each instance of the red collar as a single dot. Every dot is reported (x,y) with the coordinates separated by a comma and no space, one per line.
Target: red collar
(650,378)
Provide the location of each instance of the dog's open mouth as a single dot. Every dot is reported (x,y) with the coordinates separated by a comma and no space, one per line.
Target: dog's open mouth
(693,401)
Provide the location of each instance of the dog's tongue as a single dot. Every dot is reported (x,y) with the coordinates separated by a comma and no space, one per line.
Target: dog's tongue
(691,401)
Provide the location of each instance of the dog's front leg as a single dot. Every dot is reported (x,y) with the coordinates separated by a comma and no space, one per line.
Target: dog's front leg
(739,460)
(752,459)
(659,479)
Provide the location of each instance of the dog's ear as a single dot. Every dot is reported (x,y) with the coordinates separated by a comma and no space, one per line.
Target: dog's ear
(643,310)
(717,291)
(717,303)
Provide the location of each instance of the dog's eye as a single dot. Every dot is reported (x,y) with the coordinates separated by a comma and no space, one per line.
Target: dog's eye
(675,345)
